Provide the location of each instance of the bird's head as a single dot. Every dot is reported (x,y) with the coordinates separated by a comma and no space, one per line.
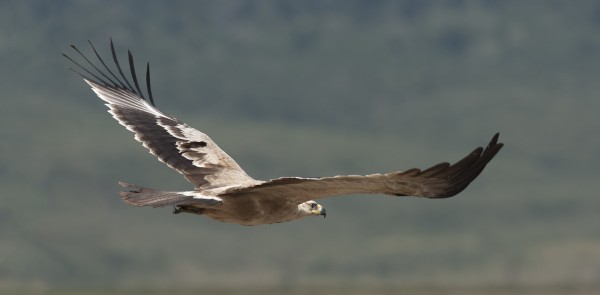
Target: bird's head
(311,208)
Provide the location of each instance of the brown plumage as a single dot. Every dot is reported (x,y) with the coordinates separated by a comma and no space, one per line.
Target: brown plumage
(223,191)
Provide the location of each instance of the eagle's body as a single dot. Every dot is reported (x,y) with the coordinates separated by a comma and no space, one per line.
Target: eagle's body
(247,209)
(223,191)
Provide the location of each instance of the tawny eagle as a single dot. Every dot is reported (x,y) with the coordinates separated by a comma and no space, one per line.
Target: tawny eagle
(223,191)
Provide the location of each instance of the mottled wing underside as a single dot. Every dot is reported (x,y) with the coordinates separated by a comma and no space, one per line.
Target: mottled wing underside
(183,148)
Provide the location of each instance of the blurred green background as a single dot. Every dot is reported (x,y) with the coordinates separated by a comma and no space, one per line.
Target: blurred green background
(308,88)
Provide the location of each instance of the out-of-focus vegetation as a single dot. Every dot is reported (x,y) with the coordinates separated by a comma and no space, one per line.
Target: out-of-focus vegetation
(307,88)
(340,290)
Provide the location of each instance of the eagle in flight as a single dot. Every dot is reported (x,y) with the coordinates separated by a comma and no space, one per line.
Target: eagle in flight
(223,191)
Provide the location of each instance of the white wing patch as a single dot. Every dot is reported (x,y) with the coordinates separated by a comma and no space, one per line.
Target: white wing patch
(193,146)
(200,196)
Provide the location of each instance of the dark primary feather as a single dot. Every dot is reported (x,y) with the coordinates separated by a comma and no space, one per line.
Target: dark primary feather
(116,61)
(132,70)
(149,89)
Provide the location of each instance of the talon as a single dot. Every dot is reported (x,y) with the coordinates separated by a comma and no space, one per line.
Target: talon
(176,210)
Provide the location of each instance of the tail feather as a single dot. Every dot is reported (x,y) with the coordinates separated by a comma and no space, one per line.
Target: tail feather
(143,196)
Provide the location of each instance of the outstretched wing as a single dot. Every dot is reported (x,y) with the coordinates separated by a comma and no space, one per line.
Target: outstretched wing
(185,149)
(440,181)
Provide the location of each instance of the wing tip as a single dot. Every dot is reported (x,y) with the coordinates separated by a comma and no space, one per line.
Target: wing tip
(105,80)
(462,173)
(494,141)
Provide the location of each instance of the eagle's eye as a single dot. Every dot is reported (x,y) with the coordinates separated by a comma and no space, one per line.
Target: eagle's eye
(313,206)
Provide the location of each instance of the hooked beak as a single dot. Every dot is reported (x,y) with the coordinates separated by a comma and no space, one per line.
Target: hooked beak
(323,212)
(319,211)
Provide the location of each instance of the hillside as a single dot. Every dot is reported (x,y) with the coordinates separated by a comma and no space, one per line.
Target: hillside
(307,88)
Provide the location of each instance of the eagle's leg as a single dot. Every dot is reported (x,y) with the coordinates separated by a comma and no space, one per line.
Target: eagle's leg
(187,209)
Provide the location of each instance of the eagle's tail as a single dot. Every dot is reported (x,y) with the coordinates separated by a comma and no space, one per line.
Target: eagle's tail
(143,196)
